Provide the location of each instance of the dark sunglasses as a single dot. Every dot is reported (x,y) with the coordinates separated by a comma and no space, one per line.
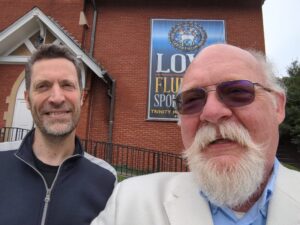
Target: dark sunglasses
(233,93)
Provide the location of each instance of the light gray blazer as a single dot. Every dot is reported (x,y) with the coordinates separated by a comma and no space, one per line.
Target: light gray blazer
(174,199)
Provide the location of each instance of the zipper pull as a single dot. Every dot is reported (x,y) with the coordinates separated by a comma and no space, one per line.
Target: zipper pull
(47,198)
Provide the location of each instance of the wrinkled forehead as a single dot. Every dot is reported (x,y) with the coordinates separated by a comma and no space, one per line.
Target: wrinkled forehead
(45,67)
(220,63)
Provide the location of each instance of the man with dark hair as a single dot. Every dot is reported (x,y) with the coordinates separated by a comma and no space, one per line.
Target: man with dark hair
(49,179)
(230,106)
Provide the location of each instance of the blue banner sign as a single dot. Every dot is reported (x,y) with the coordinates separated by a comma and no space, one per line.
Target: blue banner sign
(174,44)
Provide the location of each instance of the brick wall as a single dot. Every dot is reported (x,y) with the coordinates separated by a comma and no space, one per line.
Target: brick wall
(122,47)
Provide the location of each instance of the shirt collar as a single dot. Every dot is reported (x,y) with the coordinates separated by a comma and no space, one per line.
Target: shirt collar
(266,195)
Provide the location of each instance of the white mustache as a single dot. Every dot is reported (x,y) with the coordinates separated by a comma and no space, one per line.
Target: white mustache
(226,130)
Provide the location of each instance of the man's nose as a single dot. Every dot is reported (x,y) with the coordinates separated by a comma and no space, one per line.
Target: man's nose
(57,95)
(214,110)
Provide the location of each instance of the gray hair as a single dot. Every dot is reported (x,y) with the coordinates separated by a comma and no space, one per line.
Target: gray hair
(267,67)
(52,51)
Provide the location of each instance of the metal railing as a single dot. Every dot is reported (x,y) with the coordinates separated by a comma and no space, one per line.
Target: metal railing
(8,134)
(131,161)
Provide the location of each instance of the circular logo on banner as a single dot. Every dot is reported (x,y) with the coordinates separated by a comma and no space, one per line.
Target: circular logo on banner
(187,36)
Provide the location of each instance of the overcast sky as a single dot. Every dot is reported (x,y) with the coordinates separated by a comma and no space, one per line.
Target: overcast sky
(282,32)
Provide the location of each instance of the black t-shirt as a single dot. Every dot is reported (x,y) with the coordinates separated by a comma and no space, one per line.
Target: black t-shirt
(48,171)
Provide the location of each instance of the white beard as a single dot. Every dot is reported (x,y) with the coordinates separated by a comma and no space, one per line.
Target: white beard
(230,184)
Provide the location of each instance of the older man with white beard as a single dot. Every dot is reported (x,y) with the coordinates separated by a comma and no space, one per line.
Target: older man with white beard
(230,106)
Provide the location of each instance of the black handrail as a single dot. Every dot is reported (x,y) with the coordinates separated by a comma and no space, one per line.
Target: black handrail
(131,161)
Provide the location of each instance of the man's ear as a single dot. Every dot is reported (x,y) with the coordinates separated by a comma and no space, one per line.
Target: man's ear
(26,96)
(280,106)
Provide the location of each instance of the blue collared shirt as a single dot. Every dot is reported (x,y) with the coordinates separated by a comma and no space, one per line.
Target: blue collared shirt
(257,215)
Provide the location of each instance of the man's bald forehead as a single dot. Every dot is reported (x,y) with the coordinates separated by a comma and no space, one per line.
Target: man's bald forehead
(219,53)
(223,50)
(216,59)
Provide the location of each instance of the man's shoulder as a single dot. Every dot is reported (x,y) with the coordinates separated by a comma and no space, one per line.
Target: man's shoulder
(160,182)
(289,175)
(288,181)
(164,177)
(7,151)
(100,163)
(9,146)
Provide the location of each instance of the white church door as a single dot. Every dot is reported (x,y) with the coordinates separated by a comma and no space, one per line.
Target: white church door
(22,116)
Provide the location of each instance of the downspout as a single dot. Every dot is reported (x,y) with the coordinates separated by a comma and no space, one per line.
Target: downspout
(90,112)
(91,55)
(111,86)
(93,29)
(85,27)
(111,93)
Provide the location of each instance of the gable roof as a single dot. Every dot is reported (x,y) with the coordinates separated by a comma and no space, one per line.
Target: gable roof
(35,20)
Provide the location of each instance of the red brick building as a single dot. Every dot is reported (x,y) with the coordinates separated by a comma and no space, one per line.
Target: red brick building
(113,40)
